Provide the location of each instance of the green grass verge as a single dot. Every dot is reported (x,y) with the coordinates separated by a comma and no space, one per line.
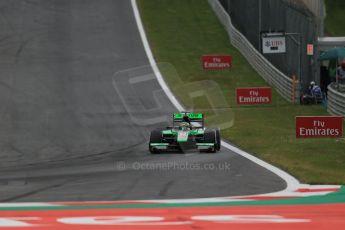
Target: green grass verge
(335,17)
(180,32)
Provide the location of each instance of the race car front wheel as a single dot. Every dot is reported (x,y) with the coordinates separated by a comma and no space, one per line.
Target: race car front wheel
(218,139)
(155,137)
(210,137)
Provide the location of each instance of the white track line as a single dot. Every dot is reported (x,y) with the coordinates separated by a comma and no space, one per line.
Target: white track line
(292,183)
(28,204)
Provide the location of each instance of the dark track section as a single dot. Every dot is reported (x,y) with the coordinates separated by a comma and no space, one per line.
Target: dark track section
(70,118)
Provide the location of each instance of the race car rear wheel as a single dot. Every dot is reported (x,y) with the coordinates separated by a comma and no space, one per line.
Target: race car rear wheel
(210,137)
(155,137)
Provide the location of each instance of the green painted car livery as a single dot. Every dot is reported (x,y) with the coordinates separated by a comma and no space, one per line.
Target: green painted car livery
(186,133)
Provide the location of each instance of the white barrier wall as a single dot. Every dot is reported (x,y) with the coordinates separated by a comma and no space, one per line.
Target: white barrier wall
(282,83)
(336,101)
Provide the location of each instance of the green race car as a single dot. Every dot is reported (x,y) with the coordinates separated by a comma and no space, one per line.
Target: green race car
(186,133)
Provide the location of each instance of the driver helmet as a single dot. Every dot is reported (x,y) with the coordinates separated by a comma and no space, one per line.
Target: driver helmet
(312,83)
(184,125)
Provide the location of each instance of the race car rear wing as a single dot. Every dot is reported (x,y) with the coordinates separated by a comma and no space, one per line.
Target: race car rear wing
(189,116)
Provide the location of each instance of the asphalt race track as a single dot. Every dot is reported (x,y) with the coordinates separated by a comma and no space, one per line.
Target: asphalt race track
(77,102)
